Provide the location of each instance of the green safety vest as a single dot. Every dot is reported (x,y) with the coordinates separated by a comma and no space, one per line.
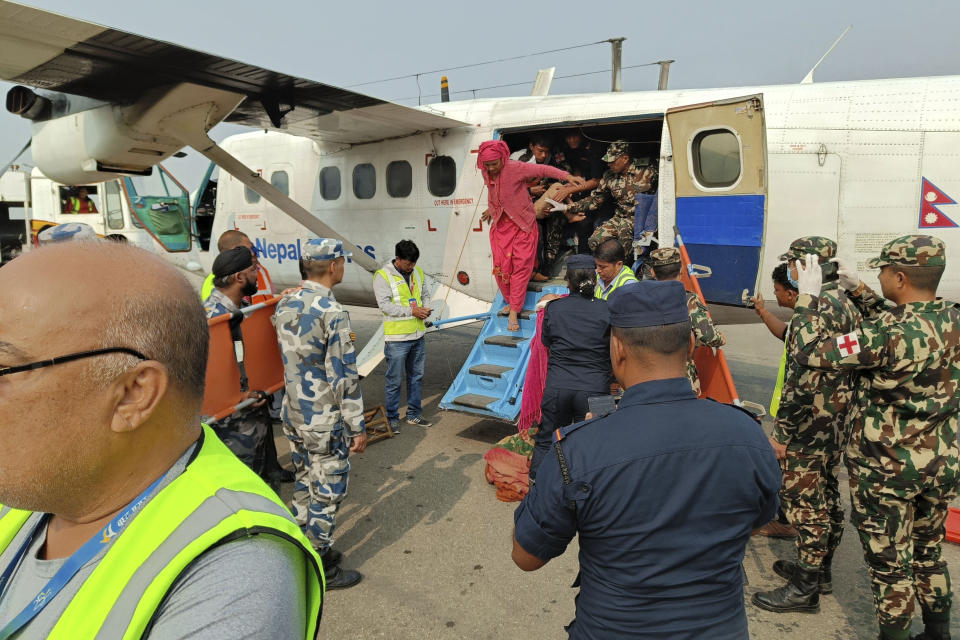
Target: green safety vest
(626,275)
(215,500)
(207,288)
(781,375)
(401,295)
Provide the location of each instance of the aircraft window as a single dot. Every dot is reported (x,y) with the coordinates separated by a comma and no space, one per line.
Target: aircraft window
(716,158)
(81,199)
(251,196)
(399,179)
(364,181)
(114,205)
(442,176)
(330,183)
(281,181)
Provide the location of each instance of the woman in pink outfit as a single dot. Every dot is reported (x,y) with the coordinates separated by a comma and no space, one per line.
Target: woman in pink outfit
(513,223)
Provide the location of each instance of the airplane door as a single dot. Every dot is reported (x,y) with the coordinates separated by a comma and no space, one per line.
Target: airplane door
(720,176)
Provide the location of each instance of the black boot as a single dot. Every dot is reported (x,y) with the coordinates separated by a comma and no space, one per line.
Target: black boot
(936,626)
(330,558)
(826,574)
(339,578)
(801,594)
(787,570)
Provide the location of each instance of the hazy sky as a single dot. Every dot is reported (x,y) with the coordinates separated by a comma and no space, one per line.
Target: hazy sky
(713,43)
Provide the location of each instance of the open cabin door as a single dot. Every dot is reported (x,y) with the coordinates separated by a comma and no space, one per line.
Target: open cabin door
(720,174)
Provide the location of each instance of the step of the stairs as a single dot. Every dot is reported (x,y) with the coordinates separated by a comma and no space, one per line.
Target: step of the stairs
(504,341)
(493,370)
(475,400)
(526,314)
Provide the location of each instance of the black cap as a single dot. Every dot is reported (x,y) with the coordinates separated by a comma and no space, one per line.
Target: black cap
(232,261)
(648,303)
(581,261)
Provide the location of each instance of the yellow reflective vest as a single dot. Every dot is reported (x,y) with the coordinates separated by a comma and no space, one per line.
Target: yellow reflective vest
(215,500)
(401,295)
(626,275)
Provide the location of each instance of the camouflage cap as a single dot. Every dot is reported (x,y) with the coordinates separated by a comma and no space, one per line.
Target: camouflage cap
(616,149)
(664,256)
(324,249)
(823,248)
(68,231)
(911,251)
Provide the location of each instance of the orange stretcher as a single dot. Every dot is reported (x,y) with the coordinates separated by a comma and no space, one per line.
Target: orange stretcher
(260,355)
(715,379)
(953,525)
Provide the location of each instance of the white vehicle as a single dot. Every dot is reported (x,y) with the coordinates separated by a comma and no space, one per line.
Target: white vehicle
(743,171)
(152,212)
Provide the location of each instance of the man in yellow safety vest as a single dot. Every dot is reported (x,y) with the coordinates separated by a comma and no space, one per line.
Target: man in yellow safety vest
(403,298)
(610,258)
(130,519)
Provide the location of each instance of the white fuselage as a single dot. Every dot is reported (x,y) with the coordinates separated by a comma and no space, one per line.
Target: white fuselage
(845,160)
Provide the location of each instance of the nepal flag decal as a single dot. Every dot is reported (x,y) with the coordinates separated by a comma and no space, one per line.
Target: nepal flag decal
(931,197)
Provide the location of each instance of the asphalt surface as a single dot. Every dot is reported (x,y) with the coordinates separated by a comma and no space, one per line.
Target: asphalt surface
(433,542)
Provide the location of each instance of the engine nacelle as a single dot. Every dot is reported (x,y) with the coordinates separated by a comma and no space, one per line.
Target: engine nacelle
(88,147)
(99,143)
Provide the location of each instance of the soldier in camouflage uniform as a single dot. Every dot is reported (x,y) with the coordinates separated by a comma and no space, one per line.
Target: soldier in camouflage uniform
(666,265)
(902,455)
(809,432)
(625,178)
(245,433)
(322,408)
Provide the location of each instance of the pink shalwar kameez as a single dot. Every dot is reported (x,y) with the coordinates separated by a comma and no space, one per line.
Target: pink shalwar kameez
(513,230)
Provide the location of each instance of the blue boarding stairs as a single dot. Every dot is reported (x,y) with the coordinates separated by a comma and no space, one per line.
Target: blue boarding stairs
(490,383)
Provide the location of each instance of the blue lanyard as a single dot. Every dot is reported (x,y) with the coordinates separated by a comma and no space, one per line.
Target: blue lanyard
(73,564)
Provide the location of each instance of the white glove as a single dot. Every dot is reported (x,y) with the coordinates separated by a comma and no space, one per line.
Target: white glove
(849,278)
(557,206)
(809,277)
(646,238)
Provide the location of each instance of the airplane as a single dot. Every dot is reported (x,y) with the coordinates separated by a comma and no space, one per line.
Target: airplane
(743,171)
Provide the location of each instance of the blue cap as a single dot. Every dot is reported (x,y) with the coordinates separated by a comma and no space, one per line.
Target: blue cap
(648,303)
(324,249)
(581,261)
(67,231)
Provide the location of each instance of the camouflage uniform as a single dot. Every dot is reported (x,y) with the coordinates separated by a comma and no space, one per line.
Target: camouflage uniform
(244,433)
(902,454)
(553,224)
(322,407)
(639,177)
(705,332)
(811,422)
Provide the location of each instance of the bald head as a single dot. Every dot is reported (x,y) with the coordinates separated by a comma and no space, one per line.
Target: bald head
(95,295)
(232,239)
(67,428)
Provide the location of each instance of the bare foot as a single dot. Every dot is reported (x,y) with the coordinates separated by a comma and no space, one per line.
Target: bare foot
(505,310)
(512,323)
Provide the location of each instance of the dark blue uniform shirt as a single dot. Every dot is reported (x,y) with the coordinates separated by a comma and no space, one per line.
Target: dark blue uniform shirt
(576,330)
(667,488)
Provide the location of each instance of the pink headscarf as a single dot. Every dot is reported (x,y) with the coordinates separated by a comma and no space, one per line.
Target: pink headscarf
(489,151)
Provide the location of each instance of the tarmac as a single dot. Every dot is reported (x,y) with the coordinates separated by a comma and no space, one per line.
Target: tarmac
(433,542)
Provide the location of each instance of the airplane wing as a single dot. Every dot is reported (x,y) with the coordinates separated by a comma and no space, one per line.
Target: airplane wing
(56,53)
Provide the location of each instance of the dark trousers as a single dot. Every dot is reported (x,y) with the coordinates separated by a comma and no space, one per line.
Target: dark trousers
(559,408)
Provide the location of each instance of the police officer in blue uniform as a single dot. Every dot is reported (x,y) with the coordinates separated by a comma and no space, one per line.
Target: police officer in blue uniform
(576,333)
(663,492)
